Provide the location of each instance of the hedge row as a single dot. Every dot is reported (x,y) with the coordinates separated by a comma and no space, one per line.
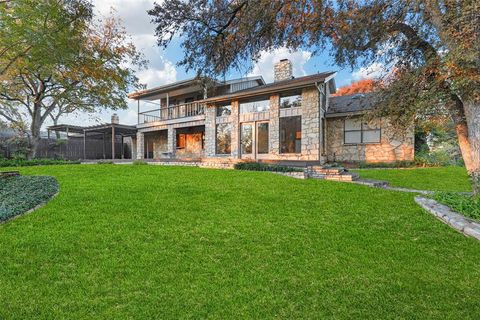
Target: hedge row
(255,166)
(22,193)
(33,162)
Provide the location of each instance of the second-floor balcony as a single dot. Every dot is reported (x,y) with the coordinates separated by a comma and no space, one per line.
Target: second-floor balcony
(179,111)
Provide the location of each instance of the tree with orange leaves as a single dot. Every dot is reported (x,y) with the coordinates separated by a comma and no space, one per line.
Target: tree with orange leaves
(434,47)
(60,59)
(360,86)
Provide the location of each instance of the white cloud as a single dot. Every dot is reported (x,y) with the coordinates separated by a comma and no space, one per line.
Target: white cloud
(264,66)
(373,71)
(158,76)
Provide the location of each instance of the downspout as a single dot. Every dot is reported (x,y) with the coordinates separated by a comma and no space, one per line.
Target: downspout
(323,110)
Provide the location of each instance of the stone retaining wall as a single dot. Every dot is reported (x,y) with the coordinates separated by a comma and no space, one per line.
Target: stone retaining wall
(467,226)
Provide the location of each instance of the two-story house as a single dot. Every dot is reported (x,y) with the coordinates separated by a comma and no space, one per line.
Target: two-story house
(291,119)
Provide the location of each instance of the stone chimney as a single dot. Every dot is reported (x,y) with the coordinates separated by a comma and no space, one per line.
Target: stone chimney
(115,119)
(282,70)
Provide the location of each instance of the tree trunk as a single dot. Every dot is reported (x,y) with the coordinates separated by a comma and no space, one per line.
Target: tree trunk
(472,113)
(55,122)
(35,131)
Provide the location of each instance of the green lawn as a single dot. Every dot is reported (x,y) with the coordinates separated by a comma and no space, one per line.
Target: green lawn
(143,242)
(453,179)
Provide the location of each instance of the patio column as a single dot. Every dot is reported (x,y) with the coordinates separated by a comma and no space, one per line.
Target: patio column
(171,141)
(103,145)
(84,145)
(210,130)
(140,145)
(113,143)
(235,136)
(122,149)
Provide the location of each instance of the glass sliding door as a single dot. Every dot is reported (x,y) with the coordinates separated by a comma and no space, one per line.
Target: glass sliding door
(246,138)
(262,138)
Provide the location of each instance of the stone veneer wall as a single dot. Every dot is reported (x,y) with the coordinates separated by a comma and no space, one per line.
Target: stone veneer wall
(393,147)
(210,131)
(282,70)
(311,128)
(140,146)
(311,125)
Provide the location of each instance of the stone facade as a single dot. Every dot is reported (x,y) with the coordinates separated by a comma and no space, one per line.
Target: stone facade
(283,70)
(393,146)
(311,125)
(210,131)
(140,145)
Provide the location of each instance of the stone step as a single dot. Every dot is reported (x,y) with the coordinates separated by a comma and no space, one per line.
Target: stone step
(329,171)
(340,177)
(6,174)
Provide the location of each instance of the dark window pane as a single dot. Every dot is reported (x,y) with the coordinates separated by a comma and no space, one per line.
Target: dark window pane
(262,137)
(224,138)
(292,101)
(291,135)
(254,106)
(246,138)
(181,141)
(225,110)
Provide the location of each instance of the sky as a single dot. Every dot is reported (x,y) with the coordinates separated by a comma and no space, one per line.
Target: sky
(162,67)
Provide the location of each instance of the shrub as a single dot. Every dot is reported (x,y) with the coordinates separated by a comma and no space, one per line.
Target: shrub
(105,162)
(139,162)
(33,162)
(22,193)
(256,166)
(437,158)
(396,164)
(466,205)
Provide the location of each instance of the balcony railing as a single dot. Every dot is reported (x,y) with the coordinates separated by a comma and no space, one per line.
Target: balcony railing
(173,112)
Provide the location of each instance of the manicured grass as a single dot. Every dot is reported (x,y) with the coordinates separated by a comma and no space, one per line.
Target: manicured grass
(453,179)
(143,242)
(22,193)
(467,205)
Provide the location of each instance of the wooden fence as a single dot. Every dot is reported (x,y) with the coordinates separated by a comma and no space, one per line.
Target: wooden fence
(73,149)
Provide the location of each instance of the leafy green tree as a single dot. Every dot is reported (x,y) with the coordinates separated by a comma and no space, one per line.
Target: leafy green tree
(56,55)
(431,46)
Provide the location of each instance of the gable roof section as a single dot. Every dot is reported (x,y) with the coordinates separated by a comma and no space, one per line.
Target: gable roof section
(165,88)
(350,105)
(295,83)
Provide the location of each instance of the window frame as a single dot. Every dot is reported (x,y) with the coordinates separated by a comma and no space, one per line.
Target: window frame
(216,138)
(361,130)
(292,94)
(240,103)
(252,132)
(280,135)
(257,125)
(217,108)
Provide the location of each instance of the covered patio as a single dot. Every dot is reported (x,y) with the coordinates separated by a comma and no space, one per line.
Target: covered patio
(105,141)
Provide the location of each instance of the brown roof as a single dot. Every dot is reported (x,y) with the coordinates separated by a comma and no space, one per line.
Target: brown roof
(295,83)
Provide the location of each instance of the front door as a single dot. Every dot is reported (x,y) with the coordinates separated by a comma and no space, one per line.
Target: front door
(254,140)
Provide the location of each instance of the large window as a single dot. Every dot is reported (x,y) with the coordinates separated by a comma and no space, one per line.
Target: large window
(291,135)
(357,132)
(181,141)
(224,138)
(262,137)
(254,106)
(246,140)
(290,101)
(224,110)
